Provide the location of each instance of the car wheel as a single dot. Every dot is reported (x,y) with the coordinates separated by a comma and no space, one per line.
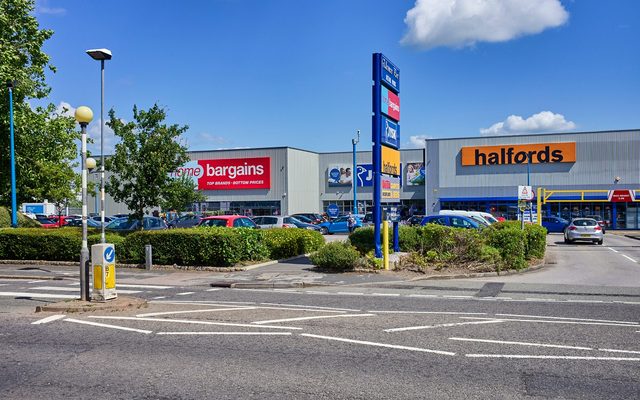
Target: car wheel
(324,230)
(600,242)
(566,240)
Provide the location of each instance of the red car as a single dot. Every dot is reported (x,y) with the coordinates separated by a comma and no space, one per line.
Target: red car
(46,222)
(229,221)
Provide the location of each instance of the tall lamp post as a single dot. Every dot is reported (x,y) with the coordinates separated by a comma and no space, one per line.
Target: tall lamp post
(354,142)
(14,215)
(102,55)
(84,115)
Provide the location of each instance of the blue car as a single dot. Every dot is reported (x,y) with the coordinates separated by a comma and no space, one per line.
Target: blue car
(555,224)
(455,221)
(338,225)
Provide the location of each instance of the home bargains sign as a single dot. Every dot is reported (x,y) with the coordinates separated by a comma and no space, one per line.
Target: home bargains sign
(229,173)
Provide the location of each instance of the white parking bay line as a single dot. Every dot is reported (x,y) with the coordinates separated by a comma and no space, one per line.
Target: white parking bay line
(308,318)
(556,346)
(124,328)
(615,251)
(629,258)
(526,356)
(143,286)
(39,295)
(37,281)
(620,351)
(74,289)
(187,321)
(184,293)
(228,333)
(557,322)
(305,306)
(48,319)
(430,312)
(413,328)
(568,318)
(193,311)
(390,346)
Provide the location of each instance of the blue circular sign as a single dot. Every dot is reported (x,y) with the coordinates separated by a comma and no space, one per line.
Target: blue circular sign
(109,254)
(332,210)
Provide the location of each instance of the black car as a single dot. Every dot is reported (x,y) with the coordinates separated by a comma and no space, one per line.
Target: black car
(313,217)
(130,224)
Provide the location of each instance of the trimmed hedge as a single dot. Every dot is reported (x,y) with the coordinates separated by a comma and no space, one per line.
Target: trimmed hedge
(338,256)
(285,243)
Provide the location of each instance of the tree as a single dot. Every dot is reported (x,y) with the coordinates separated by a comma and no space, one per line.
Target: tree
(180,193)
(148,152)
(45,146)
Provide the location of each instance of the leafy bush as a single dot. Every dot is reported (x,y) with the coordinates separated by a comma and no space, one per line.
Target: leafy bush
(409,239)
(23,221)
(536,241)
(337,256)
(39,244)
(287,242)
(511,244)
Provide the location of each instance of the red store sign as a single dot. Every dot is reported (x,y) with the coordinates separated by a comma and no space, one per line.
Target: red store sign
(621,196)
(235,173)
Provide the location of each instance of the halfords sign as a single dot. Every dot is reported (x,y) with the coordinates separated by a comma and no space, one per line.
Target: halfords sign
(538,153)
(229,174)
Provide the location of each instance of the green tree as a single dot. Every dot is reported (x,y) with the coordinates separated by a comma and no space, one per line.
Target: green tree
(180,193)
(45,146)
(148,152)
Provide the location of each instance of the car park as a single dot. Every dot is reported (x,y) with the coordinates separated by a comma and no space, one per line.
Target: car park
(338,225)
(128,224)
(554,224)
(185,221)
(229,221)
(455,221)
(584,229)
(600,221)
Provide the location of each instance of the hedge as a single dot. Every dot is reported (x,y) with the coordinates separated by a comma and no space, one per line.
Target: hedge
(285,243)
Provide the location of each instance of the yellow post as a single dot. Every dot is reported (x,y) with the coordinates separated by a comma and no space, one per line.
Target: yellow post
(539,206)
(385,244)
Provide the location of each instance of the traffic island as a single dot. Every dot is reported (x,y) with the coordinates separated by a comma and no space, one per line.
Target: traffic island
(121,303)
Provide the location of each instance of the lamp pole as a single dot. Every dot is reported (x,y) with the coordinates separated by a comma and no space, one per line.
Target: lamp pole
(84,115)
(102,55)
(354,142)
(14,215)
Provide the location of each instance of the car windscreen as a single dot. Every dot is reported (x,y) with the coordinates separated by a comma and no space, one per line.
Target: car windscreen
(121,223)
(214,222)
(491,219)
(584,222)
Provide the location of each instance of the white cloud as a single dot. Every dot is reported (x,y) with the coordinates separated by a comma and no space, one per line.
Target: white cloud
(65,109)
(42,7)
(205,141)
(544,121)
(460,23)
(417,141)
(110,140)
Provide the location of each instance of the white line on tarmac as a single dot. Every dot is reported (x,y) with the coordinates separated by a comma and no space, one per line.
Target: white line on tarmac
(525,356)
(385,294)
(184,293)
(71,289)
(568,318)
(351,293)
(456,297)
(316,292)
(628,258)
(228,333)
(305,306)
(391,346)
(39,295)
(124,328)
(414,328)
(620,351)
(556,346)
(213,290)
(38,281)
(129,285)
(193,311)
(422,295)
(429,312)
(186,321)
(535,299)
(615,251)
(202,303)
(309,318)
(557,322)
(159,297)
(48,319)
(301,309)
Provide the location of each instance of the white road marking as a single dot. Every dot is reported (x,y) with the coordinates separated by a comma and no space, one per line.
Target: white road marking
(142,286)
(456,297)
(535,299)
(615,251)
(305,306)
(385,294)
(620,351)
(391,346)
(227,333)
(286,290)
(202,303)
(557,322)
(70,289)
(124,328)
(568,318)
(422,295)
(628,258)
(556,346)
(429,312)
(159,297)
(186,321)
(193,311)
(184,293)
(316,292)
(38,281)
(309,318)
(300,309)
(351,293)
(213,289)
(414,328)
(39,295)
(525,356)
(48,319)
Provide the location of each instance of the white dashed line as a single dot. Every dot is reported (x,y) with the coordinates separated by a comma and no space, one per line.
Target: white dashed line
(184,293)
(305,306)
(38,281)
(391,346)
(628,258)
(556,346)
(39,295)
(567,318)
(428,312)
(193,311)
(309,318)
(525,356)
(70,289)
(159,297)
(557,322)
(385,294)
(213,289)
(48,319)
(615,251)
(413,328)
(186,321)
(351,293)
(124,328)
(228,333)
(620,351)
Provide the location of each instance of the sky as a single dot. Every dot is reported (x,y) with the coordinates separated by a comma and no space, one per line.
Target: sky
(265,73)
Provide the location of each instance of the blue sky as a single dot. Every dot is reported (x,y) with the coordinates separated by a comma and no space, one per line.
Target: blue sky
(261,73)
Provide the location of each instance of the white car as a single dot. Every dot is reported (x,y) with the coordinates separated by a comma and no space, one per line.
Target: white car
(480,216)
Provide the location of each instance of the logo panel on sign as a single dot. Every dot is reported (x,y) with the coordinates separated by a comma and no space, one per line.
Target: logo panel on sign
(390,74)
(390,134)
(390,103)
(390,161)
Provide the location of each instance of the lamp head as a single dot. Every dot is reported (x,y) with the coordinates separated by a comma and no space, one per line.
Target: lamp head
(83,115)
(616,179)
(99,54)
(90,163)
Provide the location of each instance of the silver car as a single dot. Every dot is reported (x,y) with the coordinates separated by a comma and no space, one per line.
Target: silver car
(584,229)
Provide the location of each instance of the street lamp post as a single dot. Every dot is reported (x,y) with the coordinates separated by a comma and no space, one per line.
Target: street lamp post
(102,55)
(84,115)
(354,142)
(14,215)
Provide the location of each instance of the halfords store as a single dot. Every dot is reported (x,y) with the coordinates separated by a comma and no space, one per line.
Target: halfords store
(591,173)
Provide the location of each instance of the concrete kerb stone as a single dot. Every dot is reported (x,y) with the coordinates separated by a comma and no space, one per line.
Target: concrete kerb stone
(481,274)
(121,303)
(34,277)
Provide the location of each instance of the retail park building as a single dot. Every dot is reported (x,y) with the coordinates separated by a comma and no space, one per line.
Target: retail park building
(577,170)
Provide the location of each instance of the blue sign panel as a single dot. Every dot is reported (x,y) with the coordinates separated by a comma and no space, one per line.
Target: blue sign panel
(390,134)
(35,209)
(365,175)
(389,74)
(109,254)
(332,210)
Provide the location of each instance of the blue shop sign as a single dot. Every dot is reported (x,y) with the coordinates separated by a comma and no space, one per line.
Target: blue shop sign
(390,134)
(389,74)
(332,210)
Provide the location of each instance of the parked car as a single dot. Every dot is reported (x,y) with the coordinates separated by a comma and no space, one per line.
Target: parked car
(554,224)
(130,224)
(415,220)
(483,217)
(283,222)
(98,219)
(455,221)
(600,221)
(78,222)
(46,222)
(313,217)
(338,225)
(584,229)
(185,221)
(229,221)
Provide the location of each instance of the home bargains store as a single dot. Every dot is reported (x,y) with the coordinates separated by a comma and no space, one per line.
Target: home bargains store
(577,170)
